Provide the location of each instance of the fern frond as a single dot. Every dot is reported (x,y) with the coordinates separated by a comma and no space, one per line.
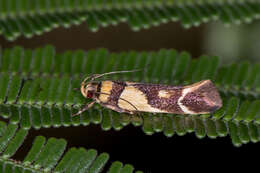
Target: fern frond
(66,69)
(46,156)
(34,17)
(39,92)
(239,132)
(234,114)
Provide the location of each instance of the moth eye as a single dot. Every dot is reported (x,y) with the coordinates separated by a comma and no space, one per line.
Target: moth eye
(90,94)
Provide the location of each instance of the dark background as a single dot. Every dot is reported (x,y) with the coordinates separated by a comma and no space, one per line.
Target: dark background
(155,153)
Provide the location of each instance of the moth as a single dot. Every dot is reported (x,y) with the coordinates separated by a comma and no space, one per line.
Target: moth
(132,97)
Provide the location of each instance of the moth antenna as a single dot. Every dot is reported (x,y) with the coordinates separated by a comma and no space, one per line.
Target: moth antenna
(129,103)
(95,76)
(120,99)
(76,89)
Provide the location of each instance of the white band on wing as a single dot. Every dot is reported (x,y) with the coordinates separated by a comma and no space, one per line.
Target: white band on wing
(184,108)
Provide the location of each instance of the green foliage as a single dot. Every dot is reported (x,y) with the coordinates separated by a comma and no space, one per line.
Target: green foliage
(64,72)
(232,117)
(34,17)
(47,156)
(37,90)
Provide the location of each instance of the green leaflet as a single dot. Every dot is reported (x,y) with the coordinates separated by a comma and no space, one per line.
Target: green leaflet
(39,92)
(67,70)
(34,17)
(219,124)
(48,156)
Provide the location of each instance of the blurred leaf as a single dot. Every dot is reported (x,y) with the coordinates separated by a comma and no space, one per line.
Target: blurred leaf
(48,156)
(34,17)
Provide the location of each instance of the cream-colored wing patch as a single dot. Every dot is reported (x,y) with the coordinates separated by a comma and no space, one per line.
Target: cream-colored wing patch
(136,98)
(106,87)
(164,94)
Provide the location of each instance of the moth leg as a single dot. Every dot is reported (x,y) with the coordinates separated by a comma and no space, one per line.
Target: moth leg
(137,114)
(119,110)
(89,105)
(125,111)
(115,108)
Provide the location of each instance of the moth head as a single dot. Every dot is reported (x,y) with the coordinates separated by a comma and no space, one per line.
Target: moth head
(202,97)
(88,90)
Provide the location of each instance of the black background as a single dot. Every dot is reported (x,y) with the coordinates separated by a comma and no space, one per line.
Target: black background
(156,153)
